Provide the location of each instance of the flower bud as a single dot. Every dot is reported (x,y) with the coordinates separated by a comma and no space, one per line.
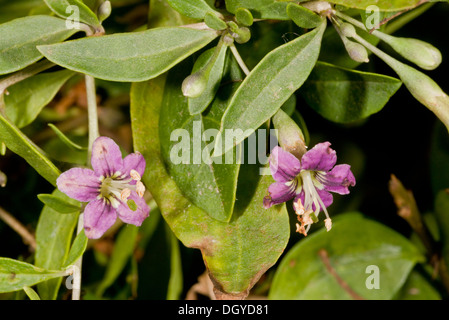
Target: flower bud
(104,11)
(421,53)
(356,51)
(194,85)
(290,136)
(348,30)
(242,35)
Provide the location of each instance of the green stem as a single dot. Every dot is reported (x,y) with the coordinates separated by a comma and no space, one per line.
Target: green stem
(92,112)
(239,59)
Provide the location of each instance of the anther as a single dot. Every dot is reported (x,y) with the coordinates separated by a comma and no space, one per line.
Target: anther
(135,175)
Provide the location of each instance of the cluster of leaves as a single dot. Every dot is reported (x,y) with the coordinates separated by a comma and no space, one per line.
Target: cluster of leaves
(186,71)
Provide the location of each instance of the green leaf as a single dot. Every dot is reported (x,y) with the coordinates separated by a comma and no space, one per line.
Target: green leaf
(123,249)
(15,275)
(236,253)
(16,9)
(244,17)
(217,57)
(175,283)
(27,98)
(270,84)
(340,263)
(195,9)
(145,59)
(21,36)
(65,139)
(418,288)
(343,95)
(77,250)
(209,183)
(303,17)
(214,22)
(31,293)
(75,10)
(18,143)
(383,5)
(59,204)
(161,15)
(54,233)
(260,9)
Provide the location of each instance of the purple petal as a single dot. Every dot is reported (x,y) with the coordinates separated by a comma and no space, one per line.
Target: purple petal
(325,196)
(338,179)
(134,217)
(134,161)
(79,184)
(99,216)
(279,192)
(320,158)
(283,165)
(106,157)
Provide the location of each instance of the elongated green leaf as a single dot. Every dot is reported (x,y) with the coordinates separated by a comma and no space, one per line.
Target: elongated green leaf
(350,261)
(21,36)
(269,85)
(18,143)
(343,95)
(195,9)
(16,9)
(260,9)
(303,17)
(152,52)
(77,250)
(14,275)
(27,98)
(209,183)
(54,233)
(31,293)
(199,104)
(236,253)
(59,204)
(383,5)
(123,249)
(75,10)
(65,139)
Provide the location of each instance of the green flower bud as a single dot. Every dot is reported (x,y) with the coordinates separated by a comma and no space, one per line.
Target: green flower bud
(356,51)
(104,11)
(194,85)
(242,35)
(348,30)
(421,53)
(244,17)
(290,136)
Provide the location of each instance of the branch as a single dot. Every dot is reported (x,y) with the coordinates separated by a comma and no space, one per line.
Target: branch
(27,237)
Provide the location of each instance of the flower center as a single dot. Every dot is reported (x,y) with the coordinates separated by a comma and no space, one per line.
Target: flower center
(116,189)
(312,200)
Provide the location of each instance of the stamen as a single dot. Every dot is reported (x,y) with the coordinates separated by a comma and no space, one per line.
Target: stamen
(299,208)
(328,224)
(124,195)
(140,189)
(135,175)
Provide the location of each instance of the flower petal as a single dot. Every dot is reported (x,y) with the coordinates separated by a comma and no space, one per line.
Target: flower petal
(79,184)
(338,179)
(106,157)
(134,161)
(279,192)
(99,216)
(320,158)
(283,165)
(136,217)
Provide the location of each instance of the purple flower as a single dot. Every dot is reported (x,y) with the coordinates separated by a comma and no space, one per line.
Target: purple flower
(113,188)
(308,181)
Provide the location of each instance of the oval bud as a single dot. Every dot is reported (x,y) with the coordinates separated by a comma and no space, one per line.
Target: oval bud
(242,35)
(194,85)
(356,51)
(421,53)
(104,11)
(290,136)
(244,17)
(348,30)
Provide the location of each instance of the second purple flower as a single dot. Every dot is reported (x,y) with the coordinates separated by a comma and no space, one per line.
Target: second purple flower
(309,182)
